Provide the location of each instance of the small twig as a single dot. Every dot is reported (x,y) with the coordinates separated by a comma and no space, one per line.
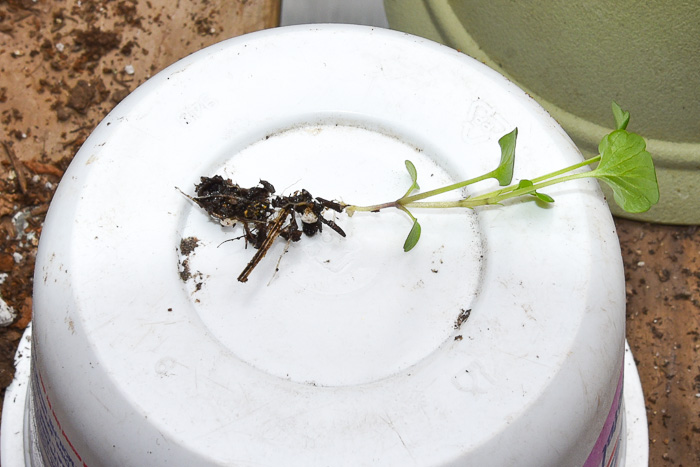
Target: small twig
(40,65)
(39,210)
(17,166)
(272,235)
(22,17)
(122,83)
(43,169)
(76,140)
(80,128)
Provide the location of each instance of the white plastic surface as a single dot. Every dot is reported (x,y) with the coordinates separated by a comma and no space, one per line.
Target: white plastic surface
(12,450)
(349,354)
(637,452)
(14,421)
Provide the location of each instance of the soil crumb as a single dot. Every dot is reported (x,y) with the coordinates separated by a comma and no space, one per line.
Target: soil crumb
(463,316)
(188,245)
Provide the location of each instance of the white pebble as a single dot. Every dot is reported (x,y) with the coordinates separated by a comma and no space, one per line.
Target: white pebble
(7,313)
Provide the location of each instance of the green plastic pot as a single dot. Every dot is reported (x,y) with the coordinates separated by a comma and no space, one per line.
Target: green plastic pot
(575,57)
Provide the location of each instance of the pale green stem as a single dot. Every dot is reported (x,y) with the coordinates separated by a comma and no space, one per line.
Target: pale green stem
(403,208)
(372,208)
(540,179)
(493,197)
(496,197)
(438,191)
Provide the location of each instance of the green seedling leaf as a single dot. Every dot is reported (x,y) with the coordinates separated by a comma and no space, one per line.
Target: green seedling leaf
(628,168)
(504,171)
(622,118)
(414,177)
(543,197)
(413,236)
(540,196)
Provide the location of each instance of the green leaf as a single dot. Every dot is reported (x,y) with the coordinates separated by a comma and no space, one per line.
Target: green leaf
(414,177)
(628,168)
(543,197)
(524,183)
(413,236)
(622,118)
(504,171)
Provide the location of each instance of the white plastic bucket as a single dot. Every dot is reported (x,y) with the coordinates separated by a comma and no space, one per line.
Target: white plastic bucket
(353,352)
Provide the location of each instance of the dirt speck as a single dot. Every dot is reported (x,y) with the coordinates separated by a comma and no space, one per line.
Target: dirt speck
(94,44)
(81,96)
(185,273)
(188,245)
(462,317)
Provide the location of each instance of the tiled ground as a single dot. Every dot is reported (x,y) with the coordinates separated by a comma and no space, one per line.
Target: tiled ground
(662,267)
